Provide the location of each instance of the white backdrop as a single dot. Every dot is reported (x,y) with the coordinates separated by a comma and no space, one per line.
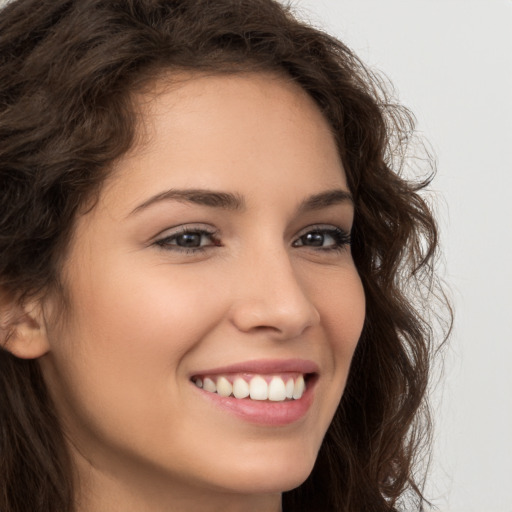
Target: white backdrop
(451,62)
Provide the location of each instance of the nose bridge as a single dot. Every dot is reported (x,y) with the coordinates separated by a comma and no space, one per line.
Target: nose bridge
(270,295)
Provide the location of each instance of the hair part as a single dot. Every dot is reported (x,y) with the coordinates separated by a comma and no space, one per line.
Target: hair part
(69,70)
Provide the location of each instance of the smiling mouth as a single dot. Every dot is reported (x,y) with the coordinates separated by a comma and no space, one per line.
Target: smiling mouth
(274,388)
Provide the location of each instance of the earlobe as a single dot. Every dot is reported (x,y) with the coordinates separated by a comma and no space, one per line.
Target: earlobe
(23,329)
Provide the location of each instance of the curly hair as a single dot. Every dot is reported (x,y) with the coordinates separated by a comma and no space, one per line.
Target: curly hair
(68,73)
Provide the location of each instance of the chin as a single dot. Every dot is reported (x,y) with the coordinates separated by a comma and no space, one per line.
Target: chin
(269,482)
(269,475)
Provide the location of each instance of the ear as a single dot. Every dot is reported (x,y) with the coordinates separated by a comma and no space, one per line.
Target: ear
(23,328)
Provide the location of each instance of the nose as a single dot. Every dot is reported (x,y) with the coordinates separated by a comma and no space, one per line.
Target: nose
(271,298)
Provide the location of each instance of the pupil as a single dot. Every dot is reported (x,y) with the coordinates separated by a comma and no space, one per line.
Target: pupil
(315,239)
(189,240)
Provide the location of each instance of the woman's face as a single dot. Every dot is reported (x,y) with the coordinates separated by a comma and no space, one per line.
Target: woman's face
(217,254)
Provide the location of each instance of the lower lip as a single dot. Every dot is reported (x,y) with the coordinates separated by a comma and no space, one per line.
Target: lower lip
(264,412)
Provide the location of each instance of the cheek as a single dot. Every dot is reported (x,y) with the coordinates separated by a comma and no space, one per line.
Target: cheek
(340,299)
(341,304)
(145,316)
(128,331)
(348,313)
(119,357)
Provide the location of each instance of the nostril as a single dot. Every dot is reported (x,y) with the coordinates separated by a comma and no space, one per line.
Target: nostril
(283,321)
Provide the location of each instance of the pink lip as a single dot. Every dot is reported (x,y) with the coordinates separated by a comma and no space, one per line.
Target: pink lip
(264,366)
(265,413)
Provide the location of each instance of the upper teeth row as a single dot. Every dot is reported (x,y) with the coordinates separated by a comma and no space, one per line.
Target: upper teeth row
(257,388)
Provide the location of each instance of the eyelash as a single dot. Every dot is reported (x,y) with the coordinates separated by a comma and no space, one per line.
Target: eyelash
(340,237)
(165,244)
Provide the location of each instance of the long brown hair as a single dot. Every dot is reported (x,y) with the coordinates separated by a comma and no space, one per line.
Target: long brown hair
(68,71)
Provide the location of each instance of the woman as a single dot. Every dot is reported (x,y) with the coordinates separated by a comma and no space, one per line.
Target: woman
(212,278)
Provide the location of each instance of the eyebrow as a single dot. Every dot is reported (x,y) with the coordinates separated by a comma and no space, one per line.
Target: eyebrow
(235,202)
(326,199)
(213,199)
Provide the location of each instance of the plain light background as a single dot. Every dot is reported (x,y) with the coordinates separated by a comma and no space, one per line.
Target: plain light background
(451,63)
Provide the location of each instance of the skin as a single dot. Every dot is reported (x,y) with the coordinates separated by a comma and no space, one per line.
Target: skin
(144,316)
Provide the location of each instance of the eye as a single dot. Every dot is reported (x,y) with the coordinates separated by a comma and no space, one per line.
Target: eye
(323,238)
(188,240)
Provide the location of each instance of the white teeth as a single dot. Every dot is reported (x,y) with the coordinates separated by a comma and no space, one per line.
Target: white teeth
(276,390)
(209,385)
(258,388)
(289,388)
(299,387)
(240,388)
(224,387)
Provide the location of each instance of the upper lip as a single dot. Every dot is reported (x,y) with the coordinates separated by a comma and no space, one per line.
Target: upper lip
(264,366)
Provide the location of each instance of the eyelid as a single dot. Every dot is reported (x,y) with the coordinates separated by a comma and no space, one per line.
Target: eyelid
(170,233)
(183,228)
(341,237)
(323,227)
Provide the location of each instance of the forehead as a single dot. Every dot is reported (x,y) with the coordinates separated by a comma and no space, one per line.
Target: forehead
(228,131)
